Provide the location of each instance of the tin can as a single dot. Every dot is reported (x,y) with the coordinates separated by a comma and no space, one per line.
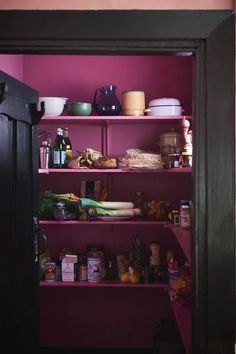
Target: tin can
(154,260)
(155,248)
(83,270)
(50,271)
(94,269)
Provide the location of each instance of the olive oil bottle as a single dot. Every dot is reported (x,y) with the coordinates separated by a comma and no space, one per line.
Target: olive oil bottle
(59,150)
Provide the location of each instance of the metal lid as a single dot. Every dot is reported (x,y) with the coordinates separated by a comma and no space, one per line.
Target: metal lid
(170,134)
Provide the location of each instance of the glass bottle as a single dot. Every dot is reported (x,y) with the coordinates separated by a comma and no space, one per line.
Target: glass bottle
(68,144)
(59,150)
(49,144)
(109,270)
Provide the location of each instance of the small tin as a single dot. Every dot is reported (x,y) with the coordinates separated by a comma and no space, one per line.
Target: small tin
(95,269)
(50,271)
(83,272)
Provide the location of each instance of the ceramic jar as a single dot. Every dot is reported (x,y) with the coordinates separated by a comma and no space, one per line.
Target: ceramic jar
(133,102)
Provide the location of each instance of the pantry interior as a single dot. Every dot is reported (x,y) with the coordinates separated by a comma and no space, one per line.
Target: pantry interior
(135,310)
(112,315)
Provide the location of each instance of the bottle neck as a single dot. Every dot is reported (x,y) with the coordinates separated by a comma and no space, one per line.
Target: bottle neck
(66,133)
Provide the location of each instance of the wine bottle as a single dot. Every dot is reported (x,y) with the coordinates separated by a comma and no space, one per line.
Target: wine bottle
(49,144)
(59,150)
(68,144)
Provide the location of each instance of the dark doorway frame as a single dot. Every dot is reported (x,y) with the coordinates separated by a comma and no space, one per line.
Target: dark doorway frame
(210,36)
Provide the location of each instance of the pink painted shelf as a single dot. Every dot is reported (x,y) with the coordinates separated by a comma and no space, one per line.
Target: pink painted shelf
(102,284)
(123,119)
(98,222)
(184,238)
(114,170)
(183,315)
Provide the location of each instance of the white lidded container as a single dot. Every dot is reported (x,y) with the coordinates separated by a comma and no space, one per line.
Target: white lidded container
(94,269)
(164,107)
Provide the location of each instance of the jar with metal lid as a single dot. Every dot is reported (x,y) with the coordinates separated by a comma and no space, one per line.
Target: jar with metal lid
(169,141)
(97,251)
(185,214)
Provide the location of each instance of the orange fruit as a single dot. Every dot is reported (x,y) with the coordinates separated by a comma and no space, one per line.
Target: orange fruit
(125,278)
(134,278)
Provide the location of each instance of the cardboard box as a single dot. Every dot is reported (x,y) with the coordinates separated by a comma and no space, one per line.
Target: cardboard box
(68,268)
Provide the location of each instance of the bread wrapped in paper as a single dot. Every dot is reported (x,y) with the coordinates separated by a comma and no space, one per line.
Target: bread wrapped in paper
(135,158)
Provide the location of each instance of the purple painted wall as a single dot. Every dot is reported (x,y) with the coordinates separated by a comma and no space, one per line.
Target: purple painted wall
(77,77)
(12,65)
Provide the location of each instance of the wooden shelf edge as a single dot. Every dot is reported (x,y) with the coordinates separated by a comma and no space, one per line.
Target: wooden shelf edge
(184,238)
(102,284)
(47,171)
(98,222)
(183,316)
(89,119)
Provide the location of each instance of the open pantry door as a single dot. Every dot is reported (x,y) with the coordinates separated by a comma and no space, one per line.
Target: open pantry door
(18,207)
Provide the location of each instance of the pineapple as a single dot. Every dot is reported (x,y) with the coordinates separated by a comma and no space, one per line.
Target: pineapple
(138,254)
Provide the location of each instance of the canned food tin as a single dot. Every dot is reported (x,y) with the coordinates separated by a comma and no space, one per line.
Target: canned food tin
(50,271)
(83,272)
(154,260)
(94,269)
(155,248)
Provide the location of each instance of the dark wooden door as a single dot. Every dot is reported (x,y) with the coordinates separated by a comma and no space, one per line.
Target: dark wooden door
(18,206)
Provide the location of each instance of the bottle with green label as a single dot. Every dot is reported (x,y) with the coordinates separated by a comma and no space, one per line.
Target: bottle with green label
(59,150)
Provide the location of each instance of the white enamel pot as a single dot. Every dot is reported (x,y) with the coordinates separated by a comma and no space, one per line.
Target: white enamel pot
(164,107)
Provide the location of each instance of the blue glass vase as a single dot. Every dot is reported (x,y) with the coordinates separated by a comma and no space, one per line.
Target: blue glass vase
(107,104)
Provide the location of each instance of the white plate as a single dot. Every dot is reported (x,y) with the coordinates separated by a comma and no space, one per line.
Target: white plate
(113,218)
(117,205)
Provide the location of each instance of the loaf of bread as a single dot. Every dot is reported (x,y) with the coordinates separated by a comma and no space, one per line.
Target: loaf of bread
(105,162)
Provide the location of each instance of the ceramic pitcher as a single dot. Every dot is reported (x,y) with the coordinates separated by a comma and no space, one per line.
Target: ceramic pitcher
(107,104)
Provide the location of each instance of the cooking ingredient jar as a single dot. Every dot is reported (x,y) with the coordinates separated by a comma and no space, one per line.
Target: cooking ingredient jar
(169,142)
(185,214)
(94,269)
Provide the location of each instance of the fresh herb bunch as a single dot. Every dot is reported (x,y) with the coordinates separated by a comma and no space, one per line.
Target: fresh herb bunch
(47,199)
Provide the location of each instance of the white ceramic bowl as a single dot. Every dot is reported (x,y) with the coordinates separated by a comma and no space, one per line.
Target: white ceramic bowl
(54,106)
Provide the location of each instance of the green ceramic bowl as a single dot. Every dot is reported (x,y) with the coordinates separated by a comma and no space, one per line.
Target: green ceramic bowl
(79,108)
